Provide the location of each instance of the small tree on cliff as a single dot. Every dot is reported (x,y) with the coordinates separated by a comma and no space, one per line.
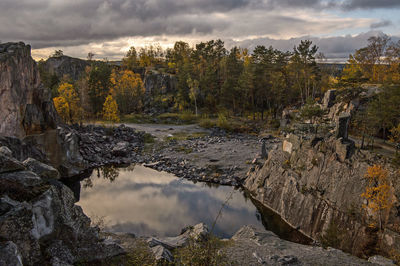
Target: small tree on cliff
(378,193)
(110,109)
(311,111)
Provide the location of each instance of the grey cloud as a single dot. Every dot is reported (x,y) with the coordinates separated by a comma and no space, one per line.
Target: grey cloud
(51,23)
(334,4)
(381,24)
(369,4)
(334,48)
(63,23)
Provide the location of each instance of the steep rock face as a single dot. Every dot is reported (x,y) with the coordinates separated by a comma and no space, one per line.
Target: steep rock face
(41,225)
(308,185)
(65,65)
(26,106)
(160,83)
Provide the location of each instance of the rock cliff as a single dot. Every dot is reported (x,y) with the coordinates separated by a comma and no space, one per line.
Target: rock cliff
(315,183)
(26,105)
(65,65)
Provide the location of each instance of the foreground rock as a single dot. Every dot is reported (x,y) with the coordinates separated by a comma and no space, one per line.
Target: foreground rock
(26,105)
(162,247)
(259,247)
(249,246)
(40,224)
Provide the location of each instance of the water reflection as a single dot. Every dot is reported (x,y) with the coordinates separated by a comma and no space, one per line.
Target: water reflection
(147,202)
(107,172)
(143,201)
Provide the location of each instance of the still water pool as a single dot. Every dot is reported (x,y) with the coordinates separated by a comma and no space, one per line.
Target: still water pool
(143,201)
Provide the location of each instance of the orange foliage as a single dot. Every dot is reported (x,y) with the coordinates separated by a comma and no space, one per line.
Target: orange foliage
(378,191)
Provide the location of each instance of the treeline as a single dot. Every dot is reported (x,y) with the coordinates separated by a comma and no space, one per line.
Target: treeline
(102,92)
(212,79)
(378,63)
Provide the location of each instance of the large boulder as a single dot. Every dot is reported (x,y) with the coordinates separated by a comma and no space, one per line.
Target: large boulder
(41,225)
(26,105)
(9,164)
(9,254)
(161,246)
(43,170)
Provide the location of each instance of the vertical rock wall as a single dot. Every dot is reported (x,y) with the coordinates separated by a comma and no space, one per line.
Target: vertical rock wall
(25,104)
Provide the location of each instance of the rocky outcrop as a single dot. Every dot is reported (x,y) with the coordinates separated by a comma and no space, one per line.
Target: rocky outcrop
(40,224)
(253,246)
(26,105)
(159,83)
(329,99)
(162,247)
(315,185)
(66,66)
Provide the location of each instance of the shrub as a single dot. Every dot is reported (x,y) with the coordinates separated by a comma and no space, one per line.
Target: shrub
(275,123)
(207,123)
(223,122)
(311,111)
(202,252)
(333,236)
(148,138)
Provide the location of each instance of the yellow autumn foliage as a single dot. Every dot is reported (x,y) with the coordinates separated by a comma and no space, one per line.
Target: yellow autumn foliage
(378,192)
(67,103)
(110,109)
(128,90)
(62,107)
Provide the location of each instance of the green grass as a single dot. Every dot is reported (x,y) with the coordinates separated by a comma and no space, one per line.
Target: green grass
(183,118)
(185,136)
(183,149)
(148,138)
(203,252)
(231,124)
(138,119)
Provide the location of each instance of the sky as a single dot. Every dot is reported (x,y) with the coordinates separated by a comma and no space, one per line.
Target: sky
(108,28)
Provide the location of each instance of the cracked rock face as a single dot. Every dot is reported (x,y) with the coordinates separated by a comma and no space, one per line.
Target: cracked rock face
(39,223)
(26,105)
(315,185)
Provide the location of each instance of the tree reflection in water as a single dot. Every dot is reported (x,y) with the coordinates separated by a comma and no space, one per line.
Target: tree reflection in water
(107,172)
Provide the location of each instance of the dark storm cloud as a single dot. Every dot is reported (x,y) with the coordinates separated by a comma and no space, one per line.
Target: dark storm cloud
(381,24)
(55,23)
(332,4)
(336,48)
(49,23)
(370,4)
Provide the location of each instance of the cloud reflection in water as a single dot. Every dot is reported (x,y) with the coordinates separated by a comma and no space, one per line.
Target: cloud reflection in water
(147,202)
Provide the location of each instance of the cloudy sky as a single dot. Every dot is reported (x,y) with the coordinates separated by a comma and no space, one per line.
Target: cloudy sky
(109,27)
